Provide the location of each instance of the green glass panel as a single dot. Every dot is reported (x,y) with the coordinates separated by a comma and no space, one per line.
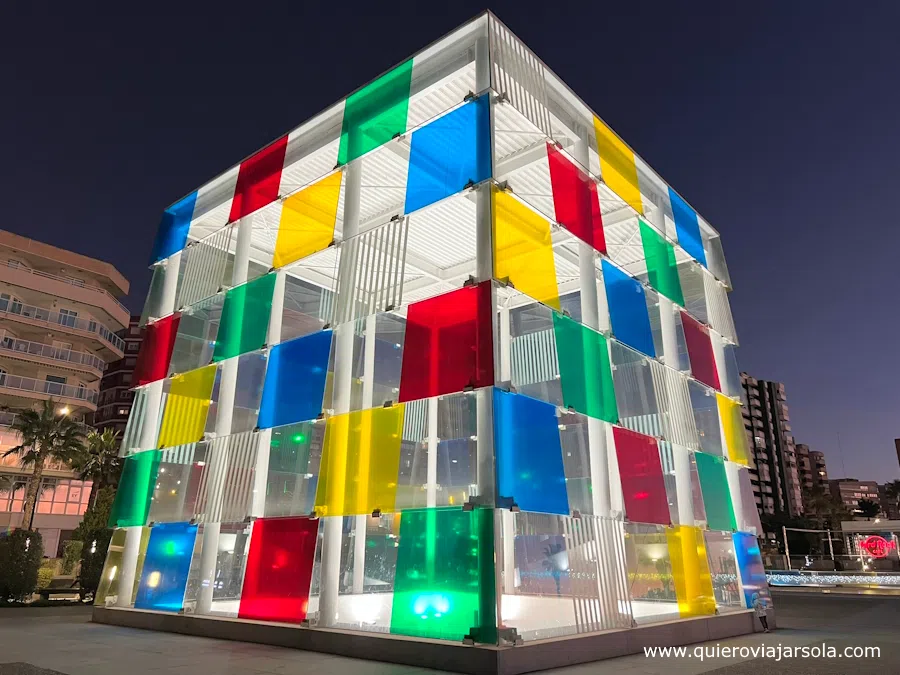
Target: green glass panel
(585,375)
(662,269)
(716,496)
(132,502)
(376,113)
(444,584)
(245,318)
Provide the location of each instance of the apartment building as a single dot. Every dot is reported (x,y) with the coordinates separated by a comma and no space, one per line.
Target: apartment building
(811,467)
(114,401)
(776,479)
(850,491)
(59,316)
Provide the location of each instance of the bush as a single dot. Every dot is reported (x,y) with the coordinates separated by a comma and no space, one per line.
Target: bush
(93,556)
(71,556)
(46,572)
(20,558)
(97,515)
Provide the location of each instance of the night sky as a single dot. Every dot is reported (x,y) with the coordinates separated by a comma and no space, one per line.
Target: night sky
(776,120)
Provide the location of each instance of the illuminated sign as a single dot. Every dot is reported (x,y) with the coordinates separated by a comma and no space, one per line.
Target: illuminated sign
(876,546)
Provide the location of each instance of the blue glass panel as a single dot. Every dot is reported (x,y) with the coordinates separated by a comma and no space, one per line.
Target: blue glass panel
(529,454)
(295,380)
(166,567)
(171,236)
(750,565)
(628,309)
(687,227)
(448,154)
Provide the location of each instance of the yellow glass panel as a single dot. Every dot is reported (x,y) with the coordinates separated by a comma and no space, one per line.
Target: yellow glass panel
(523,251)
(307,221)
(617,167)
(187,405)
(360,462)
(690,570)
(733,428)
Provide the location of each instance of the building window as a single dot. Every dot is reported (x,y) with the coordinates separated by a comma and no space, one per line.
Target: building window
(123,411)
(67,317)
(61,496)
(130,361)
(56,384)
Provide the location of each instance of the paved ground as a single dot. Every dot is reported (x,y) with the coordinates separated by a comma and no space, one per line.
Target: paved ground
(64,640)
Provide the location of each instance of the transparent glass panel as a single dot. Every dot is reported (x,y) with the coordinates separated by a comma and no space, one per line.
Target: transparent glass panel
(575,439)
(295,451)
(731,382)
(562,575)
(177,484)
(360,462)
(227,575)
(706,417)
(650,580)
(691,276)
(196,336)
(690,571)
(534,368)
(635,391)
(307,308)
(108,590)
(723,570)
(165,572)
(444,586)
(528,454)
(152,309)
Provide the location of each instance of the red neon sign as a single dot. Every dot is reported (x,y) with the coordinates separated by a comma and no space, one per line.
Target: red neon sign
(876,546)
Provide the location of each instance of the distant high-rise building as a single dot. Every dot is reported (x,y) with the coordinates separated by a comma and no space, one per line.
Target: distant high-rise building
(850,491)
(811,467)
(114,401)
(776,479)
(888,502)
(897,448)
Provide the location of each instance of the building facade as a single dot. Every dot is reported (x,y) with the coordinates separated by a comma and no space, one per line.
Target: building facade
(850,491)
(811,467)
(115,396)
(460,322)
(776,479)
(58,322)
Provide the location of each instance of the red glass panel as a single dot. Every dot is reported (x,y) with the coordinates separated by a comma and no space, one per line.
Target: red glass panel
(259,178)
(279,569)
(448,344)
(643,485)
(700,351)
(575,200)
(156,350)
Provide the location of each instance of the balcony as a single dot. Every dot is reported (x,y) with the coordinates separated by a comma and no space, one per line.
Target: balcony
(38,352)
(39,316)
(28,387)
(70,289)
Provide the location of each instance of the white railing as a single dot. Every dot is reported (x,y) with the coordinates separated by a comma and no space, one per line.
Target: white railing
(7,418)
(72,282)
(53,319)
(51,388)
(66,355)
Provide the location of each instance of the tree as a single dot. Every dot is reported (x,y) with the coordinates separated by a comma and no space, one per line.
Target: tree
(867,508)
(823,509)
(44,435)
(99,462)
(892,491)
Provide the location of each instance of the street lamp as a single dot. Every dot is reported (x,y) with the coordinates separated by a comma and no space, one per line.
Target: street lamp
(64,410)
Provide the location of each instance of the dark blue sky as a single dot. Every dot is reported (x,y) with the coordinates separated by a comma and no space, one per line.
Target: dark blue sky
(777,120)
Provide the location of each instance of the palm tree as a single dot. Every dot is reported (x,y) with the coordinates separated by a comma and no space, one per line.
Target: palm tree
(892,491)
(99,462)
(44,435)
(867,508)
